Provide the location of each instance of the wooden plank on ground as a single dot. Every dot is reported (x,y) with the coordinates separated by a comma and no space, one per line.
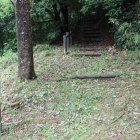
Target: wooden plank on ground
(86,54)
(95,76)
(91,49)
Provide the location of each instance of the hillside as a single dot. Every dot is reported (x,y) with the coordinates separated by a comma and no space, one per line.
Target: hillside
(55,107)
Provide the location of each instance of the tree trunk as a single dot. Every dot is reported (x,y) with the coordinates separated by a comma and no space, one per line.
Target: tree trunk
(0,121)
(64,11)
(24,40)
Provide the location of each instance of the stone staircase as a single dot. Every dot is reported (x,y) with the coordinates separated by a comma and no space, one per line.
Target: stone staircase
(90,40)
(89,36)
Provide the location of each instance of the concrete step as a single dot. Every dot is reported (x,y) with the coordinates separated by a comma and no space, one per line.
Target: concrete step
(90,40)
(91,32)
(91,36)
(90,29)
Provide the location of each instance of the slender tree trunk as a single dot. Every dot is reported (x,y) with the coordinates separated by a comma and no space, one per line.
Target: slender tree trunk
(57,19)
(0,120)
(64,10)
(24,40)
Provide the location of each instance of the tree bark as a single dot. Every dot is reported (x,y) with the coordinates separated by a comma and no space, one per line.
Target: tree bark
(64,11)
(24,40)
(0,120)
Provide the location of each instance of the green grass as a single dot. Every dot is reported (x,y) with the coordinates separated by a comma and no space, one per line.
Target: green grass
(55,107)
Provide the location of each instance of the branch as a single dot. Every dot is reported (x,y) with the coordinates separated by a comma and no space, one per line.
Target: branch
(12,3)
(123,113)
(14,123)
(119,117)
(44,21)
(12,104)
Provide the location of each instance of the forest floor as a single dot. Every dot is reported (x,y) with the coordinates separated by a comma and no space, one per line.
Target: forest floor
(56,107)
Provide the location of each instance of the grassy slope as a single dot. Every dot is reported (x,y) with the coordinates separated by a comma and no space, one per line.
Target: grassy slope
(54,107)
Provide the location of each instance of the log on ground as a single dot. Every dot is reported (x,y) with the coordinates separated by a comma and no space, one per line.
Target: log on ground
(88,54)
(95,76)
(91,49)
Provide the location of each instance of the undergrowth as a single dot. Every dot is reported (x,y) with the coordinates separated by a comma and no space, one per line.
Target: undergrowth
(55,107)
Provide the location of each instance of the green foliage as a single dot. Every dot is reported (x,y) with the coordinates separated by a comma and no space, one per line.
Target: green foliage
(89,4)
(7,31)
(126,35)
(10,44)
(5,7)
(123,15)
(124,18)
(7,27)
(49,20)
(46,24)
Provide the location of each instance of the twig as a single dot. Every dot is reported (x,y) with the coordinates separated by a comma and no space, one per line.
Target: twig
(12,104)
(12,3)
(14,123)
(119,117)
(124,109)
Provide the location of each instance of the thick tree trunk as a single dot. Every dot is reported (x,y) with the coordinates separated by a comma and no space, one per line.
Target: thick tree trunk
(24,40)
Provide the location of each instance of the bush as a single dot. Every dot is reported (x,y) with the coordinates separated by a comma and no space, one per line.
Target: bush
(126,34)
(11,44)
(124,16)
(7,33)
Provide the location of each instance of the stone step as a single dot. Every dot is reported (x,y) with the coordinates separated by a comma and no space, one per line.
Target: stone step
(90,32)
(90,29)
(90,45)
(91,49)
(91,36)
(89,26)
(91,40)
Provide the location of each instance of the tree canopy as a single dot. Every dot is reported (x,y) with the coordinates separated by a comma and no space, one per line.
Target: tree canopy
(52,18)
